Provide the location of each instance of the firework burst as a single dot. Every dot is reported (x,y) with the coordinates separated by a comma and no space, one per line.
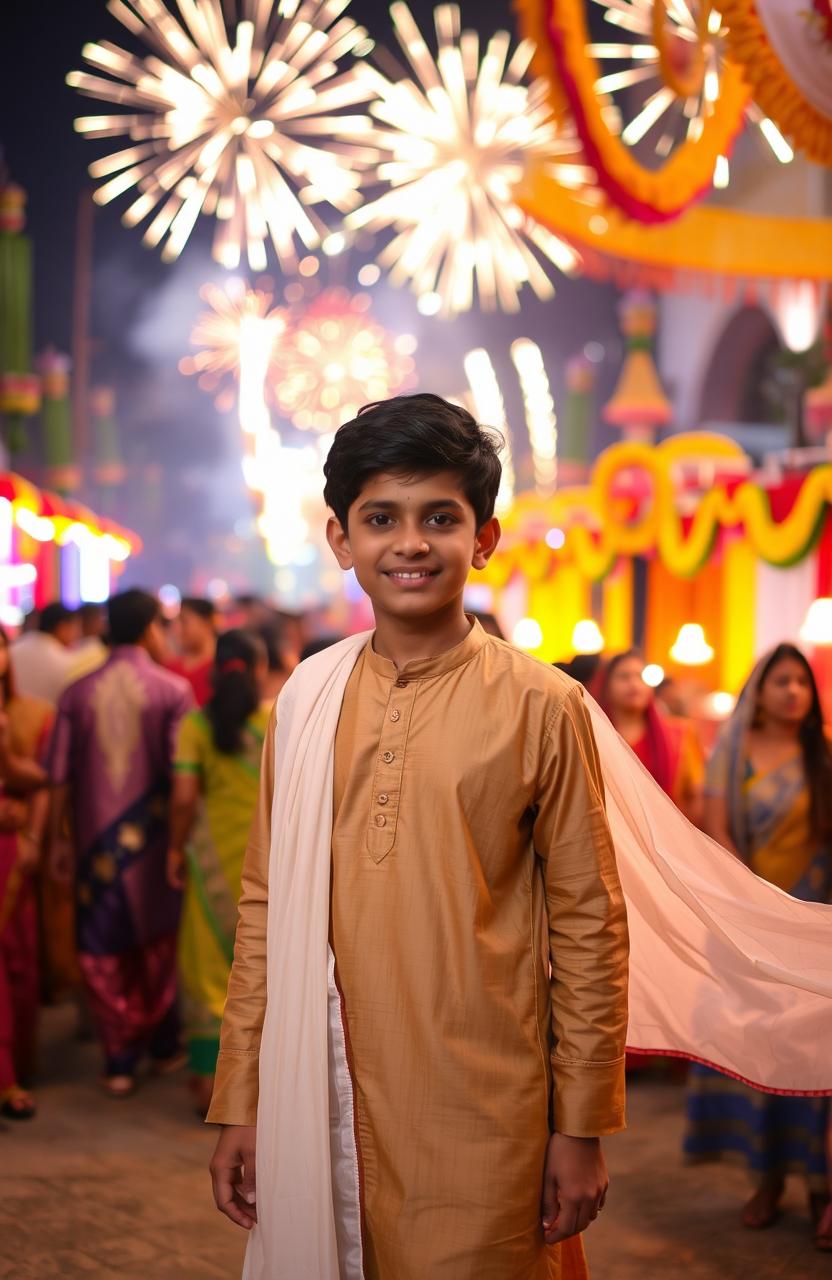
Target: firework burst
(454,141)
(333,359)
(236,126)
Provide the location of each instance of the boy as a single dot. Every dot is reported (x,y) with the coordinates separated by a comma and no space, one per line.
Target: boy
(432,1111)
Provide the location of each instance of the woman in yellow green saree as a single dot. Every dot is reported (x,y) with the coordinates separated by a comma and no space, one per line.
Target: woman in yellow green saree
(216,777)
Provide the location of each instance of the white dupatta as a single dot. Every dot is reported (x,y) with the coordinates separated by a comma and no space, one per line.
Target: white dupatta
(724,968)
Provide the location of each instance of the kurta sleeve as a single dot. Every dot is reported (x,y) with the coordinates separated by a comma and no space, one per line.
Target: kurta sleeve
(587,929)
(236,1084)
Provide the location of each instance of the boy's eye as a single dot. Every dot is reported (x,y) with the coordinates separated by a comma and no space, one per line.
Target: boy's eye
(378,520)
(443,518)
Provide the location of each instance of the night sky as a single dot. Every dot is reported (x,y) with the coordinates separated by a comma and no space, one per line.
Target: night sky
(143,309)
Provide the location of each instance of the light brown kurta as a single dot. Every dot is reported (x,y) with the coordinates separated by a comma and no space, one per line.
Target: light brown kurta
(469,844)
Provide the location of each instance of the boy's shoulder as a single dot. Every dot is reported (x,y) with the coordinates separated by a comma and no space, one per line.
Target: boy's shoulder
(528,672)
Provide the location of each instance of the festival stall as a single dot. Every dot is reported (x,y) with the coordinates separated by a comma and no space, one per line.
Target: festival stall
(53,548)
(680,547)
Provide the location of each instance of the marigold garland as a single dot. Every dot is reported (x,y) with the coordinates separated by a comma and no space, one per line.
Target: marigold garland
(559,30)
(774,89)
(601,526)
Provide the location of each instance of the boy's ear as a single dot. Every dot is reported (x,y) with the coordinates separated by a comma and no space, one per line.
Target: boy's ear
(486,543)
(339,542)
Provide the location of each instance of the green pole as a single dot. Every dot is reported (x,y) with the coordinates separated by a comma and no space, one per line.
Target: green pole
(19,388)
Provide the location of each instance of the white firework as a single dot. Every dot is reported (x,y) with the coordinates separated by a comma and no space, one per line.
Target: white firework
(453,143)
(236,126)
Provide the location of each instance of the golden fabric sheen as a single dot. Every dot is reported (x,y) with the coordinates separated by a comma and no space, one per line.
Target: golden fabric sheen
(468,815)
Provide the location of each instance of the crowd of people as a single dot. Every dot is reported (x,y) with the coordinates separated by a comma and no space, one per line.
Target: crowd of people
(130,750)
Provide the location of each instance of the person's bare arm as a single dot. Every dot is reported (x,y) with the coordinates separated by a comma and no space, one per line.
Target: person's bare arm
(183,806)
(18,772)
(716,822)
(32,839)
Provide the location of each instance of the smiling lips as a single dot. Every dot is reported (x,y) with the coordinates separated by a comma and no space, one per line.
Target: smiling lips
(410,575)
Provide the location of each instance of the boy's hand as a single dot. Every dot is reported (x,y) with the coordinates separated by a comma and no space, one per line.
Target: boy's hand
(575,1183)
(232,1174)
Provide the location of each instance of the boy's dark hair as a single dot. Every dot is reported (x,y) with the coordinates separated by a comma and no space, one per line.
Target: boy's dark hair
(205,609)
(130,613)
(413,435)
(52,616)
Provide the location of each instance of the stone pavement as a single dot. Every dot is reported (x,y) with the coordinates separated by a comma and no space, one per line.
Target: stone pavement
(109,1190)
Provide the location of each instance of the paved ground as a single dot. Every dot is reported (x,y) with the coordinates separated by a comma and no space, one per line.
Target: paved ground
(111,1190)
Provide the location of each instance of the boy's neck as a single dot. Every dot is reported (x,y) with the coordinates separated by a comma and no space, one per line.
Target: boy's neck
(414,639)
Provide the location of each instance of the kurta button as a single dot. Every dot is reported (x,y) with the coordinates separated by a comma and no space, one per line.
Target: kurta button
(395,715)
(383,798)
(388,757)
(401,684)
(380,820)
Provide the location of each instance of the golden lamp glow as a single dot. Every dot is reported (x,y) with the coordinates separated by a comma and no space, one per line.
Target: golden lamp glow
(653,675)
(587,637)
(817,625)
(690,648)
(454,142)
(527,634)
(230,119)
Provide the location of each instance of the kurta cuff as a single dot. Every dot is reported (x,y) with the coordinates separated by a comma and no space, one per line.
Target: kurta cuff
(236,1089)
(588,1097)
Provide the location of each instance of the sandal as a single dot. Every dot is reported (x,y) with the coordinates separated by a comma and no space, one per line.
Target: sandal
(17,1104)
(821,1209)
(118,1086)
(763,1209)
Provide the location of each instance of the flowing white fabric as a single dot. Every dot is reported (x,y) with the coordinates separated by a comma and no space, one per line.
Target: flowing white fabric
(724,968)
(307,1162)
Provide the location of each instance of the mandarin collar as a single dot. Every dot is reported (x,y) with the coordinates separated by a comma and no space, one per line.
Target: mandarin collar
(428,668)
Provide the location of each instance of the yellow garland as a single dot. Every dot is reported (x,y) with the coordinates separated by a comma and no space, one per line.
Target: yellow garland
(598,528)
(773,88)
(707,240)
(688,174)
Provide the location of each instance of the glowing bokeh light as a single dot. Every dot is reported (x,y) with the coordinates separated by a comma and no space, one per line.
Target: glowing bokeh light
(333,359)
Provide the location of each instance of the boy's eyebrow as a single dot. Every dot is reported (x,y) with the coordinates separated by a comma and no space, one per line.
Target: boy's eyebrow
(386,505)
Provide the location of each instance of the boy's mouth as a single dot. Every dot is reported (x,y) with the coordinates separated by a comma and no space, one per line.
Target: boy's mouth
(410,575)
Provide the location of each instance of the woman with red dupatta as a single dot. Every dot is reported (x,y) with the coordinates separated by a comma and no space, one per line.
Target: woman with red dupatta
(666,746)
(24,724)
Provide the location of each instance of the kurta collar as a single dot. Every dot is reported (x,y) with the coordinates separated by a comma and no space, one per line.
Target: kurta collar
(428,668)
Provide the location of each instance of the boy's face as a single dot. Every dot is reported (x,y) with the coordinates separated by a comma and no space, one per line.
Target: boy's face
(412,541)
